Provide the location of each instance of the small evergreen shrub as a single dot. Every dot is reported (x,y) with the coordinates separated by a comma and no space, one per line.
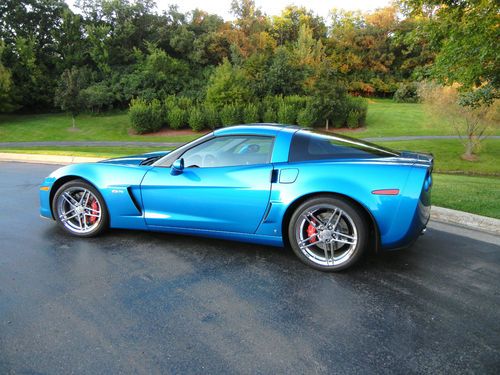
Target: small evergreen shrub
(230,115)
(287,114)
(407,93)
(306,117)
(145,117)
(176,118)
(211,115)
(357,109)
(250,114)
(270,116)
(196,119)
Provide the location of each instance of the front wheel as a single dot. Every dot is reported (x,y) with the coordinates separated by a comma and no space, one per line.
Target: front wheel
(80,209)
(328,233)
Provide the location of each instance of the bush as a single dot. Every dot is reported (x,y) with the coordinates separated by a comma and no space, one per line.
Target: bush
(407,93)
(270,116)
(356,111)
(250,114)
(196,119)
(97,97)
(306,117)
(176,118)
(145,117)
(211,115)
(287,114)
(230,115)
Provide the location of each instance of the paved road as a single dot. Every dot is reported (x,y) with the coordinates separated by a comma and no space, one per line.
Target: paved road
(136,302)
(175,144)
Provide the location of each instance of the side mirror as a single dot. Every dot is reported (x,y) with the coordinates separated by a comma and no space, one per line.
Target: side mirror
(177,167)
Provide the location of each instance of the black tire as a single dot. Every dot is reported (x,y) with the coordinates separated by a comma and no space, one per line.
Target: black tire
(351,226)
(58,205)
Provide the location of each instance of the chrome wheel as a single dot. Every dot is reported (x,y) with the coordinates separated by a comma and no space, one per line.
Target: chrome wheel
(326,235)
(79,210)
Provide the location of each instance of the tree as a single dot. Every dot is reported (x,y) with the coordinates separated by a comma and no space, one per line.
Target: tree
(228,86)
(464,34)
(329,96)
(68,92)
(470,122)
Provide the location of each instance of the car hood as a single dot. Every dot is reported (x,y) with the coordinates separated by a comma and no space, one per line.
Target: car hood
(142,159)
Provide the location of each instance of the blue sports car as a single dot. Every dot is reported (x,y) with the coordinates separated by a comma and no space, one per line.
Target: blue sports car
(328,197)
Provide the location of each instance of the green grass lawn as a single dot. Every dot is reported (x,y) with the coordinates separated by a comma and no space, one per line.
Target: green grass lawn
(478,195)
(57,127)
(447,155)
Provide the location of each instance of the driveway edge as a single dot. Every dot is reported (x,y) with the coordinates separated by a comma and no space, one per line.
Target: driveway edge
(465,219)
(440,214)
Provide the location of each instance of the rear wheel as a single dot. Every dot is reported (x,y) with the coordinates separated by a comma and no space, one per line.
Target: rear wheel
(329,234)
(80,209)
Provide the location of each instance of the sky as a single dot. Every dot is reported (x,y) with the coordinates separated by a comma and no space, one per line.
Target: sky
(271,7)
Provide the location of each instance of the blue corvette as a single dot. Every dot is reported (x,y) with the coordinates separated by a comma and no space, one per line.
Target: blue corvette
(327,196)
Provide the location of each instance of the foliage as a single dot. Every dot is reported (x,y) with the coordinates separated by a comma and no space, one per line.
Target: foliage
(470,122)
(230,115)
(97,98)
(250,113)
(464,35)
(211,115)
(306,117)
(145,117)
(356,111)
(196,119)
(176,117)
(68,94)
(407,92)
(287,114)
(329,96)
(227,86)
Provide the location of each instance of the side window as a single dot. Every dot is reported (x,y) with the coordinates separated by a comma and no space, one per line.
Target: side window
(316,146)
(228,151)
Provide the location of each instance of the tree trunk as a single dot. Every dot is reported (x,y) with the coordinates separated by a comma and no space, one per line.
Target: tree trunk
(327,124)
(73,120)
(469,148)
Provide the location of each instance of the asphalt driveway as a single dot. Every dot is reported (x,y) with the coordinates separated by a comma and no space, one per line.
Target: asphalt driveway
(136,302)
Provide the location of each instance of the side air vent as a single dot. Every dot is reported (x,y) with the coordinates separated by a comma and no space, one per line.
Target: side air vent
(134,200)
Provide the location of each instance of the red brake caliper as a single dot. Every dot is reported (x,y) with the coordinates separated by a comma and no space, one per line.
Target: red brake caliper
(94,206)
(310,232)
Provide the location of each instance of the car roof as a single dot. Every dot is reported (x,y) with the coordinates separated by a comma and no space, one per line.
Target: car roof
(257,129)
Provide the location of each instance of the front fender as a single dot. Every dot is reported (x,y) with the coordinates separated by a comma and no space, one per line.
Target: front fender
(118,184)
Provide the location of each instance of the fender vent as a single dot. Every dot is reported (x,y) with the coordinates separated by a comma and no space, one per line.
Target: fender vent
(134,200)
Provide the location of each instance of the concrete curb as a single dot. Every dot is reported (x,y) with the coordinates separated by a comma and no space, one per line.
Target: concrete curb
(46,159)
(439,214)
(465,219)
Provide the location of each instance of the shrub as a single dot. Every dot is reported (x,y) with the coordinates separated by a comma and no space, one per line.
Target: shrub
(270,116)
(356,111)
(97,97)
(145,117)
(176,117)
(183,102)
(250,113)
(287,114)
(230,115)
(196,119)
(306,117)
(407,93)
(211,115)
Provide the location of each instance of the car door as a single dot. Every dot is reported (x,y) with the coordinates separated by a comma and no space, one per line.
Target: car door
(225,186)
